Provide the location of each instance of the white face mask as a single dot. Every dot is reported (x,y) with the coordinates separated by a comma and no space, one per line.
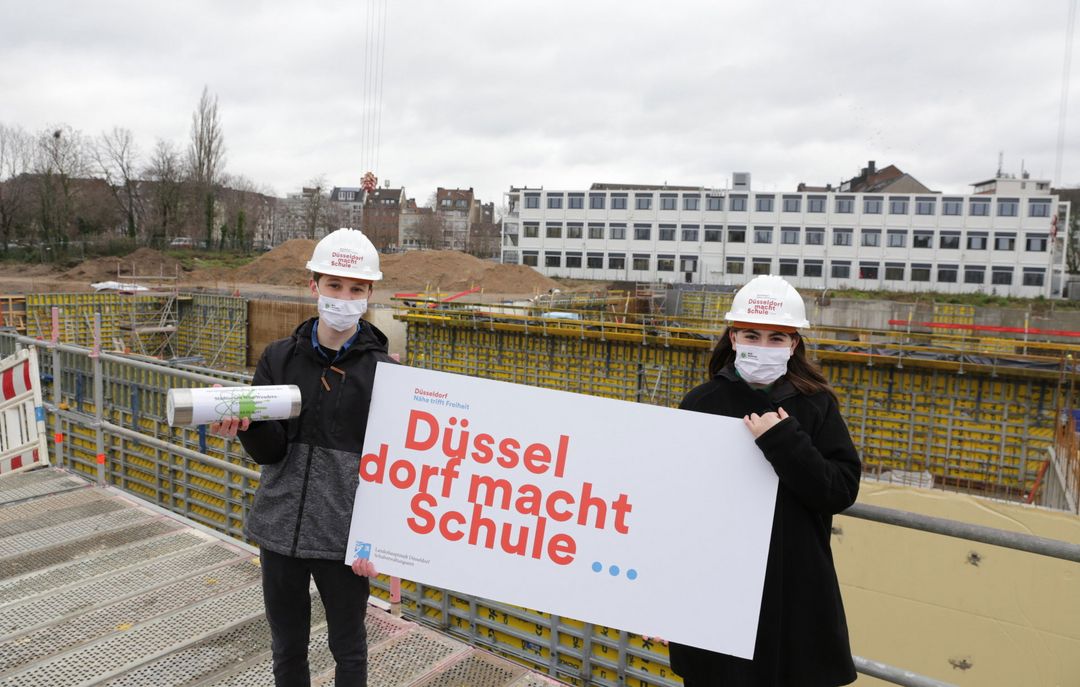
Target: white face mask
(339,314)
(761,364)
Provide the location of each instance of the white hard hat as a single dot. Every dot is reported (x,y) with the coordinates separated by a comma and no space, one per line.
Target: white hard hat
(768,300)
(346,253)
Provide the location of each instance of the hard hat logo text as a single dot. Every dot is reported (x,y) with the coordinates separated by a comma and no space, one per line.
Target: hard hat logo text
(763,306)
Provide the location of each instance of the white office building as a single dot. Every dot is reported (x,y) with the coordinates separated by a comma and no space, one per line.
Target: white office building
(1002,238)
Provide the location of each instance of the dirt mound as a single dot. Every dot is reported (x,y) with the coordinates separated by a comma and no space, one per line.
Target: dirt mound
(143,262)
(283,266)
(443,270)
(447,270)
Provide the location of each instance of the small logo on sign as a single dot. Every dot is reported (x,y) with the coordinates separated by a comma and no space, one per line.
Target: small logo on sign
(362,550)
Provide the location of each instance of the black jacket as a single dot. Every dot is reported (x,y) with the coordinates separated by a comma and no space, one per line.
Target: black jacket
(802,636)
(310,464)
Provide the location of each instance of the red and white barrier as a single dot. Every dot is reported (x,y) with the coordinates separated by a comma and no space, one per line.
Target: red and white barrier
(23,442)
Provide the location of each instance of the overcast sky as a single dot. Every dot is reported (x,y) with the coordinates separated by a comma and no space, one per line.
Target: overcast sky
(561,94)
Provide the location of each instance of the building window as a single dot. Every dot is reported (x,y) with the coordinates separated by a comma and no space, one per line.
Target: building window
(573,260)
(762,266)
(789,268)
(952,206)
(667,232)
(869,270)
(530,258)
(920,272)
(949,240)
(552,259)
(1001,276)
(762,234)
(691,202)
(812,268)
(1036,243)
(736,234)
(871,206)
(665,263)
(532,230)
(642,232)
(845,205)
(640,262)
(842,237)
(532,202)
(789,236)
(554,231)
(713,234)
(596,231)
(815,236)
(871,238)
(763,203)
(618,201)
(617,232)
(946,274)
(923,239)
(1004,241)
(596,201)
(896,239)
(594,261)
(1007,207)
(616,261)
(1039,208)
(575,202)
(738,203)
(689,263)
(898,205)
(735,265)
(714,203)
(974,274)
(815,204)
(1034,276)
(668,202)
(924,206)
(840,269)
(690,234)
(979,208)
(792,203)
(976,241)
(554,202)
(894,271)
(573,231)
(642,202)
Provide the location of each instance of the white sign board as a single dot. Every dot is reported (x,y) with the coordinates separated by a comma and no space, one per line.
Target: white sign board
(641,518)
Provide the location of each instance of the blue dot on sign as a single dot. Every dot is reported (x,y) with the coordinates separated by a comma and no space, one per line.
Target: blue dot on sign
(597,567)
(631,574)
(614,570)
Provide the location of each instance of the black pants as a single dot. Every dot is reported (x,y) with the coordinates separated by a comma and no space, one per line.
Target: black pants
(288,608)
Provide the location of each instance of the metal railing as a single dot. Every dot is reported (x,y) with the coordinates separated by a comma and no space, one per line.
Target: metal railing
(178,481)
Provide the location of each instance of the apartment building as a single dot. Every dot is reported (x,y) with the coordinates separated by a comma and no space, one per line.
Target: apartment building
(1001,238)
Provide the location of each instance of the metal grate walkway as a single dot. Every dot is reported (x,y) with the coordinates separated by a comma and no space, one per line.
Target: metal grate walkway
(98,589)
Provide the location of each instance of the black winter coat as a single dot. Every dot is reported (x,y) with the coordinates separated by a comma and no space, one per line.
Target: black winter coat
(310,464)
(802,636)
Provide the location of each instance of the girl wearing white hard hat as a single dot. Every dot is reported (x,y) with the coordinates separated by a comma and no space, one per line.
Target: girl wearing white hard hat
(760,372)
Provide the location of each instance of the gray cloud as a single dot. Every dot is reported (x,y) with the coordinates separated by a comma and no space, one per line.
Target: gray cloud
(562,93)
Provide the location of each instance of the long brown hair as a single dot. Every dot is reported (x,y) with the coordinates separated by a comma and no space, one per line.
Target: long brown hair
(803,374)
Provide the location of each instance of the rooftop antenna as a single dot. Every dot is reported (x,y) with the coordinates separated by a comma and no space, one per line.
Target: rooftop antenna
(1001,159)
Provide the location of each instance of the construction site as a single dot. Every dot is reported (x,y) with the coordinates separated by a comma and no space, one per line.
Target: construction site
(124,562)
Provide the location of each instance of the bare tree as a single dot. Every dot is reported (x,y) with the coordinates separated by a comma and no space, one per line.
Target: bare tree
(206,156)
(16,157)
(317,213)
(430,230)
(164,175)
(59,161)
(116,156)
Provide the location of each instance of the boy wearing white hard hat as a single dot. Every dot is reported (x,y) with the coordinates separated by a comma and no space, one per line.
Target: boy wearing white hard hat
(759,372)
(310,464)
